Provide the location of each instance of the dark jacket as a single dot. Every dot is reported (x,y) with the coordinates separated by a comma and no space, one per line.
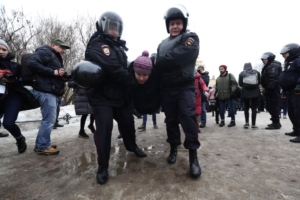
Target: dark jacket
(40,64)
(290,77)
(113,92)
(146,97)
(29,102)
(223,91)
(81,102)
(246,92)
(176,66)
(205,78)
(270,75)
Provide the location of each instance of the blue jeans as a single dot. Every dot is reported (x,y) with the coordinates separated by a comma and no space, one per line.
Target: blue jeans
(49,104)
(285,109)
(230,104)
(153,118)
(203,114)
(11,105)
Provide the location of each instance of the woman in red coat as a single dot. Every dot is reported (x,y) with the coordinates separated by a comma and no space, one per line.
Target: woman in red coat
(199,83)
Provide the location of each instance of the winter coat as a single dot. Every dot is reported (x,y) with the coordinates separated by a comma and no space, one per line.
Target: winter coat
(200,86)
(40,63)
(211,94)
(283,102)
(205,78)
(81,102)
(114,89)
(246,92)
(29,102)
(270,76)
(290,77)
(223,91)
(176,58)
(146,97)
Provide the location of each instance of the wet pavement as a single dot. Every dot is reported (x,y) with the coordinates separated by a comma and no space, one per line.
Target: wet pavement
(236,164)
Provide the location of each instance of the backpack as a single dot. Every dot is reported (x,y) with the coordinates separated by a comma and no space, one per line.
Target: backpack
(28,76)
(250,79)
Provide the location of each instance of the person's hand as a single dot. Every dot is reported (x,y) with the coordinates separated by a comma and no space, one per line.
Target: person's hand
(297,89)
(1,75)
(206,93)
(61,71)
(55,72)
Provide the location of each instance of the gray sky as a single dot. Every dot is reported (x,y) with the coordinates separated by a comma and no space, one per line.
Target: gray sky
(231,32)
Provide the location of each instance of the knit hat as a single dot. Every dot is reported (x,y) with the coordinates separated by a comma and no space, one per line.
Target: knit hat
(143,64)
(224,66)
(4,44)
(202,67)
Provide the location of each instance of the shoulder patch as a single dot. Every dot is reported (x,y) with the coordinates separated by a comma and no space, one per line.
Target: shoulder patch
(105,49)
(189,42)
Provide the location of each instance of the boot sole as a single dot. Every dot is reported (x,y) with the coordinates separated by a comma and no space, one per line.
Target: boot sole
(83,137)
(294,141)
(48,154)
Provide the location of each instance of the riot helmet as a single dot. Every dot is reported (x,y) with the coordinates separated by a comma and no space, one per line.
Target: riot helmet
(110,23)
(178,11)
(292,48)
(268,55)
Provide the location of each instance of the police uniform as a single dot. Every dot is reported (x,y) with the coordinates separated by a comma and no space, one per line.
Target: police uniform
(176,58)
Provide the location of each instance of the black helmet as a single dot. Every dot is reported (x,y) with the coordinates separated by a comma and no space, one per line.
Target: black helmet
(108,19)
(268,55)
(177,12)
(292,48)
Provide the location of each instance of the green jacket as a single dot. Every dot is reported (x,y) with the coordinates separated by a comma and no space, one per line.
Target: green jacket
(222,86)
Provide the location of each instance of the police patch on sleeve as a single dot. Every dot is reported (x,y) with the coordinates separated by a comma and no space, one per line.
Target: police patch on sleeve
(189,42)
(105,49)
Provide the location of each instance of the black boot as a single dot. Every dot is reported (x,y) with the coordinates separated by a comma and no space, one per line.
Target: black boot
(222,124)
(139,153)
(293,133)
(173,154)
(102,177)
(273,126)
(120,136)
(195,170)
(91,127)
(21,145)
(296,140)
(231,124)
(3,134)
(82,134)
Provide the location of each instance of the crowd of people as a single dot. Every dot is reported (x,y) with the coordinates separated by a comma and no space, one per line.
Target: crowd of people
(166,81)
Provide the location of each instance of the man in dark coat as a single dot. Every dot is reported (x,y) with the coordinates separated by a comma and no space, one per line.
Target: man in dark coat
(111,99)
(290,83)
(176,58)
(249,80)
(204,102)
(269,80)
(49,85)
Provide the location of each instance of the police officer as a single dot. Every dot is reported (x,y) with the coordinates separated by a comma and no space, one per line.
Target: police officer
(290,83)
(176,58)
(110,100)
(269,80)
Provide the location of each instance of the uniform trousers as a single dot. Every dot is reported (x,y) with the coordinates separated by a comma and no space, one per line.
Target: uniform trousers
(272,101)
(294,111)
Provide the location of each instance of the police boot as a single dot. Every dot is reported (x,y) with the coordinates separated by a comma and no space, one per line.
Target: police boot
(296,140)
(273,126)
(139,153)
(195,170)
(173,154)
(293,133)
(21,144)
(102,177)
(273,123)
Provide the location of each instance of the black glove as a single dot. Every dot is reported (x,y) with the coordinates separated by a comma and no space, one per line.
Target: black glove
(297,89)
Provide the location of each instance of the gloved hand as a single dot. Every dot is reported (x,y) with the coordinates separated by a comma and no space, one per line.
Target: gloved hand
(205,93)
(297,89)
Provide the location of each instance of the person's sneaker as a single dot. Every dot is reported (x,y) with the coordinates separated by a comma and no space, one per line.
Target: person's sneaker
(202,125)
(273,126)
(92,128)
(154,126)
(246,125)
(296,140)
(231,124)
(49,151)
(293,134)
(21,144)
(82,134)
(120,136)
(222,124)
(3,134)
(254,127)
(284,116)
(52,145)
(143,126)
